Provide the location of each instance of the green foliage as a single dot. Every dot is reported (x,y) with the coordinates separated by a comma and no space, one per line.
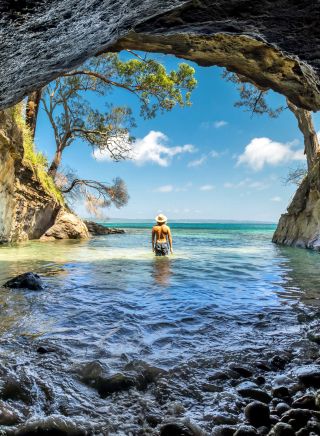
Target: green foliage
(252,99)
(35,160)
(72,116)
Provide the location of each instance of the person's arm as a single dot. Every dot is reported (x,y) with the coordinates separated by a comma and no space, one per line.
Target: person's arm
(152,240)
(170,240)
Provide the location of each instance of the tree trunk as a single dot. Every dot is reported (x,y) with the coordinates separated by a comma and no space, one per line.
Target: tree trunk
(32,109)
(55,163)
(311,142)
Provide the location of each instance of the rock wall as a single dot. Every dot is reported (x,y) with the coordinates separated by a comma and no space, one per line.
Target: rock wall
(300,226)
(26,209)
(40,39)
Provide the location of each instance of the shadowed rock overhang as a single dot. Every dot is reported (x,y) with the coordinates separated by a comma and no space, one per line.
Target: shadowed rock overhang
(273,44)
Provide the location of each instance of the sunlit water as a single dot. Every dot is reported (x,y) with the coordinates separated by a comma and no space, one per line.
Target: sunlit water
(226,290)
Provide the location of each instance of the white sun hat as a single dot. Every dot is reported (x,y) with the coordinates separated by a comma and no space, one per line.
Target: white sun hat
(161,218)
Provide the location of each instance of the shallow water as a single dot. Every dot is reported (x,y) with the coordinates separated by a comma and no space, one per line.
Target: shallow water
(226,291)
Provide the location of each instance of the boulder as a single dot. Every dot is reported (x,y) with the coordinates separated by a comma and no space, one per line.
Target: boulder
(96,229)
(27,280)
(66,226)
(257,413)
(115,383)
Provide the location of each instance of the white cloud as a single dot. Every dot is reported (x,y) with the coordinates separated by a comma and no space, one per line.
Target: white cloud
(164,188)
(276,199)
(197,162)
(263,151)
(247,183)
(206,188)
(214,153)
(151,148)
(218,124)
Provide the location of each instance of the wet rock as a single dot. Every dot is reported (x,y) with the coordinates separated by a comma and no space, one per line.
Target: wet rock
(251,390)
(16,390)
(314,336)
(264,366)
(96,229)
(302,432)
(45,350)
(91,372)
(305,402)
(280,392)
(224,418)
(117,382)
(210,387)
(27,280)
(246,430)
(260,380)
(176,429)
(218,375)
(313,426)
(243,371)
(282,408)
(283,429)
(257,413)
(8,416)
(54,425)
(278,362)
(144,374)
(153,419)
(309,375)
(223,430)
(301,416)
(263,430)
(274,419)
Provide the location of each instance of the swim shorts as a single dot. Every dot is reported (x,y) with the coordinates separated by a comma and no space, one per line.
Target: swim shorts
(161,249)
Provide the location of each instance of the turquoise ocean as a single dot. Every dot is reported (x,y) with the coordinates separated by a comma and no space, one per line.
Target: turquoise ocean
(226,291)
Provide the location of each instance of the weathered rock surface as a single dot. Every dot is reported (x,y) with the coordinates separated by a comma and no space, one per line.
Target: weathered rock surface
(66,226)
(27,280)
(96,229)
(26,208)
(274,44)
(300,226)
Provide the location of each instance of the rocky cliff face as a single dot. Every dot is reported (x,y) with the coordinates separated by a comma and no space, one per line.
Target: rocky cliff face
(274,44)
(27,210)
(300,226)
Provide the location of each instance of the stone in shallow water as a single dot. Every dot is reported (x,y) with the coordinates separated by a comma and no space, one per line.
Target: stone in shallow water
(27,280)
(176,429)
(116,383)
(242,370)
(250,390)
(223,430)
(280,392)
(309,375)
(257,413)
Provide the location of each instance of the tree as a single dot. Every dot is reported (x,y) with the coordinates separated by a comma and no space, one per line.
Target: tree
(254,100)
(72,117)
(96,195)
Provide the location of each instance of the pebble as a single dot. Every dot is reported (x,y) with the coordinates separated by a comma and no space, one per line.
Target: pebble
(255,394)
(283,429)
(282,408)
(305,402)
(280,392)
(257,413)
(223,430)
(246,430)
(309,375)
(176,429)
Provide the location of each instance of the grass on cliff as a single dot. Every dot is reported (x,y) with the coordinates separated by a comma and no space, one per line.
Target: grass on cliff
(35,159)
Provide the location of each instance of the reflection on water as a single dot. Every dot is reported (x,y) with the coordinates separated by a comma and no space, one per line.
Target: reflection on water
(110,300)
(162,271)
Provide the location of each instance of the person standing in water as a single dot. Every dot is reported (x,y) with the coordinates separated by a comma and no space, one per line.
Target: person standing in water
(161,237)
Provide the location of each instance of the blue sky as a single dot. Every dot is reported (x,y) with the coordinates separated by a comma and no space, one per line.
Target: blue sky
(209,161)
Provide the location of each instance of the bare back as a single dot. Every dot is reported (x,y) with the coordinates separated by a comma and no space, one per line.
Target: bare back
(161,232)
